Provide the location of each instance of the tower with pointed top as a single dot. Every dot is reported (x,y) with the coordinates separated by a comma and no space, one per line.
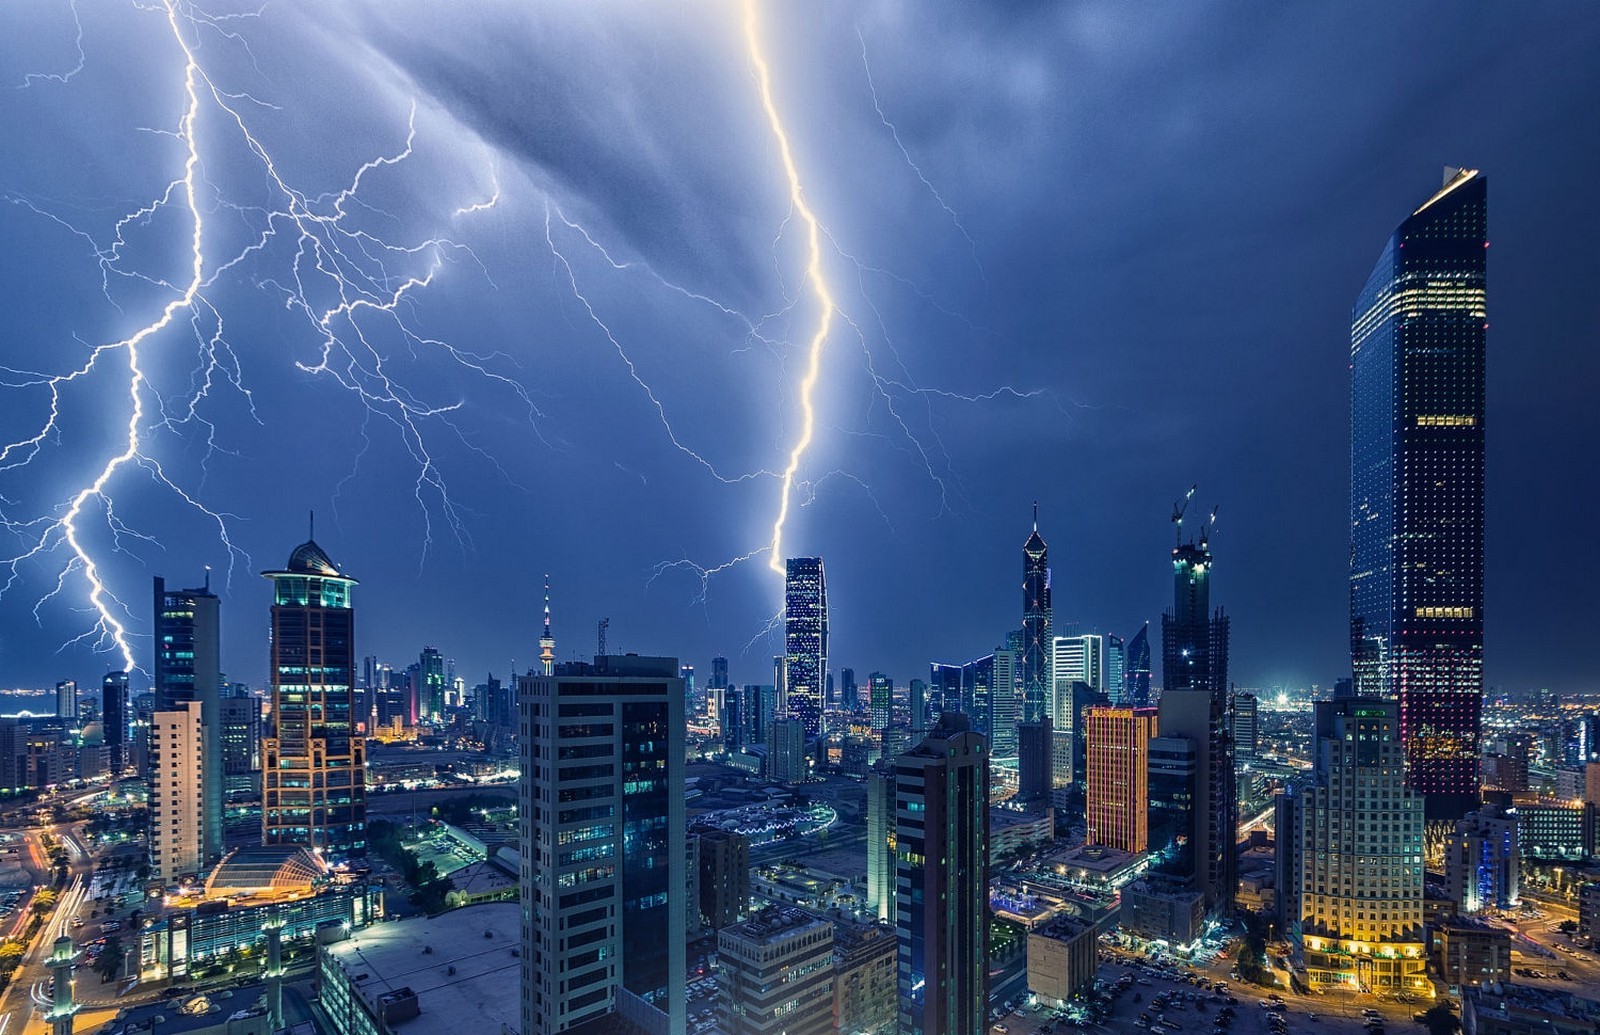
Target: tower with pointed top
(314,791)
(547,642)
(1035,624)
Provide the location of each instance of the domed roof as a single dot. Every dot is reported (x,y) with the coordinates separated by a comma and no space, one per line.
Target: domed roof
(309,559)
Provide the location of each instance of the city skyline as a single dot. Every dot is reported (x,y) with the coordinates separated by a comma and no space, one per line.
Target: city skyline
(1249,305)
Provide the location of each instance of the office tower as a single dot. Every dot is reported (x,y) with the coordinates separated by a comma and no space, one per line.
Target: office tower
(686,673)
(603,842)
(719,673)
(977,688)
(724,876)
(1118,776)
(761,699)
(67,700)
(1033,761)
(1417,344)
(805,637)
(786,751)
(847,688)
(239,730)
(314,784)
(1172,815)
(177,802)
(919,706)
(1194,642)
(945,682)
(731,718)
(1035,625)
(1361,852)
(188,667)
(430,667)
(775,975)
(1138,668)
(1483,861)
(942,881)
(114,717)
(1003,704)
(880,689)
(1245,735)
(1074,659)
(880,840)
(1116,669)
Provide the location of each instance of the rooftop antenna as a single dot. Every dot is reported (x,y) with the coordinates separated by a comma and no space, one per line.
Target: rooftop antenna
(1178,507)
(605,623)
(311,524)
(1036,515)
(208,578)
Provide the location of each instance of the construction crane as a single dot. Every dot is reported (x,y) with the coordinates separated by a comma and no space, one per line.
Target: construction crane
(1178,508)
(1206,529)
(605,623)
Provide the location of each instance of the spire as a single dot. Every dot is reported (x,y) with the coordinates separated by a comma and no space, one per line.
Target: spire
(1036,515)
(547,606)
(547,642)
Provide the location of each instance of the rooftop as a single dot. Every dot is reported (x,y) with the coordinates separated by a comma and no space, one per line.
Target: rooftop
(463,967)
(191,1013)
(258,868)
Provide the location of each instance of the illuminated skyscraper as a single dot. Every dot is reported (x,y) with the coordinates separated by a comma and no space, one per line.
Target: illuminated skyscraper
(881,701)
(805,635)
(1138,668)
(188,667)
(1035,625)
(1116,669)
(314,784)
(1417,346)
(114,714)
(430,670)
(1118,769)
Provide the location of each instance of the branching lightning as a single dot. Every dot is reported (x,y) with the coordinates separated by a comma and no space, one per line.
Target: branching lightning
(814,275)
(343,264)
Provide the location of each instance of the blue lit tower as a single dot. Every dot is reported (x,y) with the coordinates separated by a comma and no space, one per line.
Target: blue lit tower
(805,635)
(1035,624)
(1138,668)
(1417,344)
(314,791)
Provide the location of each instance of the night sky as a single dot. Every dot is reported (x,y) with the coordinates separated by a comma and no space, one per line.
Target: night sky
(1086,254)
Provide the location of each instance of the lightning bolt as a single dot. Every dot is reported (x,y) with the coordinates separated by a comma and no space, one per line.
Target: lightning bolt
(814,275)
(345,263)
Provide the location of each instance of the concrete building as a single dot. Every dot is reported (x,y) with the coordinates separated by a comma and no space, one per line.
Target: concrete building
(1015,831)
(1062,957)
(1163,910)
(786,751)
(880,841)
(1520,1010)
(1470,953)
(864,978)
(1589,914)
(724,876)
(1245,734)
(1118,794)
(776,975)
(602,838)
(1482,861)
(177,792)
(240,731)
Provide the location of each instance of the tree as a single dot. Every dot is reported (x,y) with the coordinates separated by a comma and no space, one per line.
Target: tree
(110,962)
(44,901)
(1441,1021)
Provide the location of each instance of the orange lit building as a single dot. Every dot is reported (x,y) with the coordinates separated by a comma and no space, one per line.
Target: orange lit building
(1118,742)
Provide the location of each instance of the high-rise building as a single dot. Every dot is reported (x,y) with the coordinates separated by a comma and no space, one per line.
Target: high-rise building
(864,957)
(977,693)
(805,637)
(731,715)
(719,673)
(67,700)
(430,668)
(603,835)
(1246,736)
(1035,625)
(945,682)
(724,876)
(1483,861)
(1118,776)
(188,667)
(786,750)
(239,730)
(880,690)
(919,706)
(776,975)
(177,802)
(1172,815)
(1116,669)
(880,840)
(1033,761)
(1138,670)
(1003,703)
(1194,704)
(1417,346)
(1361,878)
(848,693)
(314,785)
(114,716)
(1074,659)
(942,881)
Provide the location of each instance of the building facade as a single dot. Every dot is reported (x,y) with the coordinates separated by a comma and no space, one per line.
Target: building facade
(314,789)
(775,973)
(1118,793)
(177,804)
(188,667)
(1417,345)
(724,876)
(1035,625)
(114,720)
(805,636)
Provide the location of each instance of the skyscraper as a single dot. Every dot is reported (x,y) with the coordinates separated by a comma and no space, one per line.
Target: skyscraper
(1417,352)
(1116,669)
(719,673)
(945,682)
(603,842)
(177,777)
(880,840)
(188,667)
(1075,659)
(1034,742)
(881,701)
(1245,734)
(314,784)
(805,636)
(977,690)
(1138,668)
(67,700)
(430,669)
(1003,704)
(1118,776)
(1035,625)
(1173,778)
(114,715)
(942,880)
(1360,854)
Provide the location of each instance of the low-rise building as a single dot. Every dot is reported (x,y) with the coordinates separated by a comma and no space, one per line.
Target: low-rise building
(1470,952)
(864,961)
(1158,910)
(1016,831)
(1520,1010)
(1589,913)
(460,971)
(1062,957)
(776,974)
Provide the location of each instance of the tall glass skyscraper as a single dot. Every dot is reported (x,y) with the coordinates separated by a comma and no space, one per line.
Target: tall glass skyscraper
(1035,625)
(1138,670)
(188,667)
(805,636)
(1417,340)
(314,784)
